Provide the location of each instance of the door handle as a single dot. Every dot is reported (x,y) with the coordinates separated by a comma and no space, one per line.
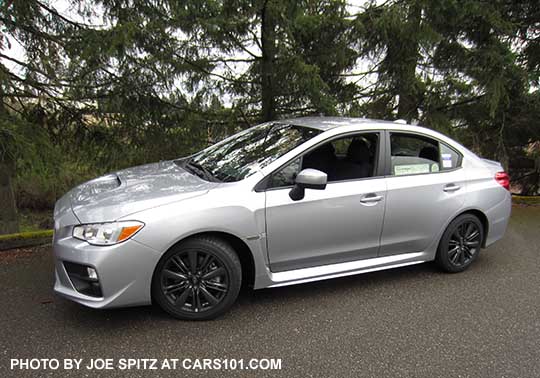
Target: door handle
(371,199)
(451,188)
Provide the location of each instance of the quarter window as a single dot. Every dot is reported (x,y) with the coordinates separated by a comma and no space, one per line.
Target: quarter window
(286,175)
(450,159)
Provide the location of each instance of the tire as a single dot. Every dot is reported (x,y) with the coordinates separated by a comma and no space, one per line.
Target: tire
(460,244)
(198,279)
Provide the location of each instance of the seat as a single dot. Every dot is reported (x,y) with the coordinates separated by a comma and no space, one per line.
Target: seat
(358,152)
(430,153)
(356,164)
(322,158)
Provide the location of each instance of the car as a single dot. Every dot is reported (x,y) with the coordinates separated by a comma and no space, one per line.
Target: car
(281,203)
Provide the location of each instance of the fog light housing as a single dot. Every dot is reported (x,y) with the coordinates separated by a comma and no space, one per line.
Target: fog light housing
(92,274)
(84,279)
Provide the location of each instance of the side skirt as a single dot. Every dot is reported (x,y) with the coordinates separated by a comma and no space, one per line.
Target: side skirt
(298,276)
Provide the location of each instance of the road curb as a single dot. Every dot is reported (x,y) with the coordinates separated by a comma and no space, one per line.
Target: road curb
(526,200)
(25,239)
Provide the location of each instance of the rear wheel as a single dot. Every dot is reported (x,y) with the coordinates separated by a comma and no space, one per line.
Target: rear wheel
(198,279)
(460,244)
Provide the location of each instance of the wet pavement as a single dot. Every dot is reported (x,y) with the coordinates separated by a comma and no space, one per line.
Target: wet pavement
(407,322)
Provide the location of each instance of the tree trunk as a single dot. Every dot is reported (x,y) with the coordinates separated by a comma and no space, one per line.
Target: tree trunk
(531,185)
(268,45)
(9,223)
(406,75)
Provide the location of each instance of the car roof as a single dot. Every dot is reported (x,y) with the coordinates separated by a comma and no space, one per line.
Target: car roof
(327,123)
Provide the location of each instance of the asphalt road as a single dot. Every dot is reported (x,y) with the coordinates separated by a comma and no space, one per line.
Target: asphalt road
(408,322)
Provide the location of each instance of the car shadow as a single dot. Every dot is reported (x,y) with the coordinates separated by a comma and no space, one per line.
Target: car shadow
(363,281)
(256,303)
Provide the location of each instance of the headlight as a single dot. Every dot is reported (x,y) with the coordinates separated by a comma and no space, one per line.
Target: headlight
(107,233)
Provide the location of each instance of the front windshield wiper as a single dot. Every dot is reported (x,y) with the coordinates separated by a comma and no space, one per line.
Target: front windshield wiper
(200,170)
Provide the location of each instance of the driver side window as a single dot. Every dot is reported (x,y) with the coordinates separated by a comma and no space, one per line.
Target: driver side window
(346,158)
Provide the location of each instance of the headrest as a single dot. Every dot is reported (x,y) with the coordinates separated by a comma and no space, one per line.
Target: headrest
(358,151)
(429,152)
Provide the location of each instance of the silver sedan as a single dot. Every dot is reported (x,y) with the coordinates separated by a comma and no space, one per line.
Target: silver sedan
(281,203)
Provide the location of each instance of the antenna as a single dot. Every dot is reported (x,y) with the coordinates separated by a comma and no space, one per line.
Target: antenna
(400,121)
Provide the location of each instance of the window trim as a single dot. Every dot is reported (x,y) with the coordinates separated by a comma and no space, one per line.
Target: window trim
(380,161)
(388,157)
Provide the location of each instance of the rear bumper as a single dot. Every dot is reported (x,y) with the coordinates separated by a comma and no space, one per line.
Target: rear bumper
(498,218)
(124,272)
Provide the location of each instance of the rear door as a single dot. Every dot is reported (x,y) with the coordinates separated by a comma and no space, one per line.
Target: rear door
(425,187)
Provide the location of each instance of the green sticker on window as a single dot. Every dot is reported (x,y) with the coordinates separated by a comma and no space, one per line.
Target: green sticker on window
(411,169)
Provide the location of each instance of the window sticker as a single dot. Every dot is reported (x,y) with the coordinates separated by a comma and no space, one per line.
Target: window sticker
(411,169)
(446,160)
(434,167)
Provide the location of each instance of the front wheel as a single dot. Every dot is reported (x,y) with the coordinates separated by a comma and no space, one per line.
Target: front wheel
(460,244)
(198,279)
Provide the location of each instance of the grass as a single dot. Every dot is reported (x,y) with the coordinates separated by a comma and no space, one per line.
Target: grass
(27,235)
(25,239)
(526,200)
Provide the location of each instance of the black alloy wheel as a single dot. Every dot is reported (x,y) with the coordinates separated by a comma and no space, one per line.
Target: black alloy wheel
(198,279)
(460,244)
(464,243)
(194,280)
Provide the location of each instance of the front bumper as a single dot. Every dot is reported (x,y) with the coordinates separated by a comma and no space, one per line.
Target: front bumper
(124,271)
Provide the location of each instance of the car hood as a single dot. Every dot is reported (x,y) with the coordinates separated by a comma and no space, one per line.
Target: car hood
(128,191)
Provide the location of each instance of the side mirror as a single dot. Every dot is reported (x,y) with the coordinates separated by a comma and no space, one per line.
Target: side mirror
(308,179)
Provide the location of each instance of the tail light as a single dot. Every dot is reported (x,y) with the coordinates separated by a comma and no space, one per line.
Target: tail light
(503,179)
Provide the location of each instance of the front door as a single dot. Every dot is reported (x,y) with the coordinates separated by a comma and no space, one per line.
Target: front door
(338,224)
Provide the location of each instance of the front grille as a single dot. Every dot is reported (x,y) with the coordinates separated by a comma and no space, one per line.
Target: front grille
(78,274)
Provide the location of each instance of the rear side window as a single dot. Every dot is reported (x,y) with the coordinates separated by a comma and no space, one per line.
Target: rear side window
(415,154)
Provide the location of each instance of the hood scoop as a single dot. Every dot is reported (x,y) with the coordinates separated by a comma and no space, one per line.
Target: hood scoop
(131,190)
(97,186)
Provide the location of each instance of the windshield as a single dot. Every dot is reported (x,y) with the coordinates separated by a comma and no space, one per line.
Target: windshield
(250,150)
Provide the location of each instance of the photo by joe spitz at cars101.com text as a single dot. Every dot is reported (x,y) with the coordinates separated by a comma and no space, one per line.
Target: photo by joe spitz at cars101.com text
(330,188)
